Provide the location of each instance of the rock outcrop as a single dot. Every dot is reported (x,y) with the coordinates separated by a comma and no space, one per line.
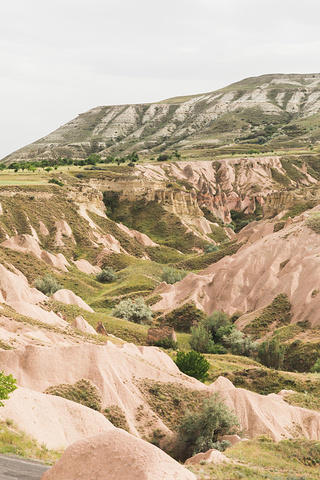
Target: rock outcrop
(116,455)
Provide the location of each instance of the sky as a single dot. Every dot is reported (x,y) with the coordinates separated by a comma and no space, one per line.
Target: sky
(59,58)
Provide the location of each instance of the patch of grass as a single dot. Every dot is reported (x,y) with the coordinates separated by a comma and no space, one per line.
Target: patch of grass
(278,226)
(279,177)
(313,222)
(277,312)
(262,459)
(82,392)
(292,172)
(16,442)
(300,356)
(199,262)
(218,234)
(163,254)
(307,400)
(288,332)
(184,317)
(299,208)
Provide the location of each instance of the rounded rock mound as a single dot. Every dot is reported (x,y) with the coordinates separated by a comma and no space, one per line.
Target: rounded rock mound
(116,455)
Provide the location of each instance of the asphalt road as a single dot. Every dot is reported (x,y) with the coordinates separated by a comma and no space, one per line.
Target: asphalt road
(13,468)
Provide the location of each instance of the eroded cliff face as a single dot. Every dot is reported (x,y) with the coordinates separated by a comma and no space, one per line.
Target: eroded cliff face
(187,188)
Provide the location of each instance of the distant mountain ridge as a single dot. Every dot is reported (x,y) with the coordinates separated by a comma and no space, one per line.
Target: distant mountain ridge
(280,110)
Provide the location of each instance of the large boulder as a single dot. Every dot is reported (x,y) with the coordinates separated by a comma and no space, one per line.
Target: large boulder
(116,455)
(158,334)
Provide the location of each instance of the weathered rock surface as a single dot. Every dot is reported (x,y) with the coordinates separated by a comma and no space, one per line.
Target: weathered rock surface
(211,456)
(70,298)
(268,264)
(156,334)
(116,455)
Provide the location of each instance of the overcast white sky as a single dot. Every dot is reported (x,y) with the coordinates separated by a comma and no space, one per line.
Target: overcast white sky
(59,58)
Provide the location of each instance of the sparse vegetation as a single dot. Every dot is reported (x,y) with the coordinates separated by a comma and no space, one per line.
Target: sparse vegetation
(116,416)
(82,392)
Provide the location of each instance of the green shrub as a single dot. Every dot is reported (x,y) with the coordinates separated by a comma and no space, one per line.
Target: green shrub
(211,248)
(239,343)
(166,343)
(47,285)
(201,340)
(184,317)
(271,353)
(133,310)
(57,182)
(172,275)
(200,430)
(107,275)
(214,322)
(193,364)
(316,367)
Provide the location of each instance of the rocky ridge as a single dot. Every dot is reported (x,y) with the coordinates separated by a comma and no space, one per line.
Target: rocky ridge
(239,112)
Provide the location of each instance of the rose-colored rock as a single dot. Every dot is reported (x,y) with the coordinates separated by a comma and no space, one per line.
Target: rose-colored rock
(101,329)
(233,439)
(156,334)
(211,456)
(81,324)
(70,298)
(116,455)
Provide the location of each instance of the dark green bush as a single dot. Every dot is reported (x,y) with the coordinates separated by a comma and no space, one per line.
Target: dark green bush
(57,182)
(184,317)
(271,353)
(166,343)
(316,367)
(107,275)
(193,364)
(211,248)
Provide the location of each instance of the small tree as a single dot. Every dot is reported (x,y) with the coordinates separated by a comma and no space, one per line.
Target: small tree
(201,340)
(184,317)
(215,321)
(47,285)
(133,310)
(271,353)
(107,275)
(193,364)
(7,385)
(239,343)
(200,430)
